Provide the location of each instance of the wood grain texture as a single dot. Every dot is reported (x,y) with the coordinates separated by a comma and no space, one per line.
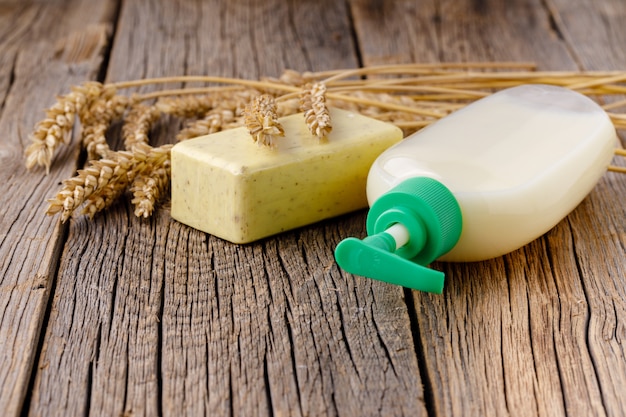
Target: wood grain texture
(599,239)
(593,31)
(534,332)
(450,31)
(152,317)
(38,59)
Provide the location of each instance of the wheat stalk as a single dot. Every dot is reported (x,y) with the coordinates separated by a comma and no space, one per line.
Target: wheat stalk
(410,95)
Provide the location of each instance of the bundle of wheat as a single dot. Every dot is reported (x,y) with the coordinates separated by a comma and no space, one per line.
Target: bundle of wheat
(410,96)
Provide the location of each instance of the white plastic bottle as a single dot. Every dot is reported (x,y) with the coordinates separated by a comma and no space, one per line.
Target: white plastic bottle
(481,182)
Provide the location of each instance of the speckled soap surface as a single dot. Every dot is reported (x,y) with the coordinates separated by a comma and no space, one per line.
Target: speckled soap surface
(226,185)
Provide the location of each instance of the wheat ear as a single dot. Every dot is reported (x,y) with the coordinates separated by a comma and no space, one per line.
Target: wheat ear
(97,121)
(187,106)
(212,122)
(138,123)
(75,190)
(262,121)
(316,114)
(153,183)
(55,129)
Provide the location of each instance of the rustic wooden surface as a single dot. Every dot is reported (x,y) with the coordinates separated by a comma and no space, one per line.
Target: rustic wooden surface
(119,316)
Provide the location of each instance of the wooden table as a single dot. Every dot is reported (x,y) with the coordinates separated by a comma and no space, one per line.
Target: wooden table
(124,317)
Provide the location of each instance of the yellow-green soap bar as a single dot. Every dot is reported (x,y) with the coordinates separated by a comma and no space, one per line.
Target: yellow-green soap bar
(226,185)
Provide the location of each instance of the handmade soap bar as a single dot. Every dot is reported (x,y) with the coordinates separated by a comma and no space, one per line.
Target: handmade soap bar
(226,185)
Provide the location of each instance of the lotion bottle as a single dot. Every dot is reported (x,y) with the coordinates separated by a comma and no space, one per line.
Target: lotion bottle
(479,183)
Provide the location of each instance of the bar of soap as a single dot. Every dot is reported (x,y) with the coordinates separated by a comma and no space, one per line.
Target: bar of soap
(226,185)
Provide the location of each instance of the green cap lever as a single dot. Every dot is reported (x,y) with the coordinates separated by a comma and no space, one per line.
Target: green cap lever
(410,226)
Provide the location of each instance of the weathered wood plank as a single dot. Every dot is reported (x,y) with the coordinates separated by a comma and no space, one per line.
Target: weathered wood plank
(593,31)
(596,37)
(153,317)
(150,317)
(604,283)
(467,31)
(534,332)
(38,59)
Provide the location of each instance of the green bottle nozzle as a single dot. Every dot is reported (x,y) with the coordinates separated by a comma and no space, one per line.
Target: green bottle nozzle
(408,227)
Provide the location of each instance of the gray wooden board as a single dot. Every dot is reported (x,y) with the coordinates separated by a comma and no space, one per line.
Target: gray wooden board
(38,59)
(535,332)
(154,317)
(150,317)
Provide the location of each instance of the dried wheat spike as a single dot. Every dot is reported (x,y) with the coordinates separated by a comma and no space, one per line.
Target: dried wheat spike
(188,106)
(75,190)
(146,157)
(149,188)
(316,114)
(55,129)
(141,161)
(292,77)
(214,121)
(94,140)
(150,178)
(261,120)
(101,114)
(106,194)
(289,106)
(138,123)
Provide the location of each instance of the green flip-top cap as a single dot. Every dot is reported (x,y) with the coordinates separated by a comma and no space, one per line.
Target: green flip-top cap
(410,226)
